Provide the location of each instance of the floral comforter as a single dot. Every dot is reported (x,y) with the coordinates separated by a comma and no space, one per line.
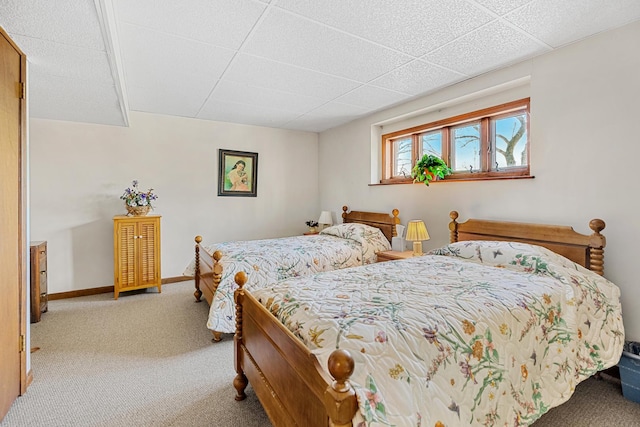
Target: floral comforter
(474,333)
(270,260)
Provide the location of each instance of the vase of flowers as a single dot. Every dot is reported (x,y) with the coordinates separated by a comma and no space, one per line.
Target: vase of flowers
(138,203)
(312,225)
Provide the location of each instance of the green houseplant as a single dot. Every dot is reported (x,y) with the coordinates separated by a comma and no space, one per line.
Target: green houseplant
(428,168)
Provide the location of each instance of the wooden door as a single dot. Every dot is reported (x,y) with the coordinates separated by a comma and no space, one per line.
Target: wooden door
(12,222)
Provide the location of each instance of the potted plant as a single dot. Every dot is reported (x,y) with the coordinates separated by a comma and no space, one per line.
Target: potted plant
(428,168)
(312,225)
(138,203)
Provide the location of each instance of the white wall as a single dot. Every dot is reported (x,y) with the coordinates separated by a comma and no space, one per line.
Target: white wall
(78,172)
(584,113)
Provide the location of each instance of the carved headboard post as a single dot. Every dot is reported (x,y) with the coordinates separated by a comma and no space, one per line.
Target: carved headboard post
(396,221)
(453,227)
(597,242)
(198,292)
(344,213)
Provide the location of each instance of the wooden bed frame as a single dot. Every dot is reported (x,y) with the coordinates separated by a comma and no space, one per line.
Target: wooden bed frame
(287,378)
(208,270)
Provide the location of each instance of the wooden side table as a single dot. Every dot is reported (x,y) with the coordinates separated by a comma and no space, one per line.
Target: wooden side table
(39,295)
(391,255)
(311,233)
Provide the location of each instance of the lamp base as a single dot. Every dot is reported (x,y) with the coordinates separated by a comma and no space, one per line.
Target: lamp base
(417,248)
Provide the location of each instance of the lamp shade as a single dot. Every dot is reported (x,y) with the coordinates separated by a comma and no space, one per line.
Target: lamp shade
(417,231)
(325,218)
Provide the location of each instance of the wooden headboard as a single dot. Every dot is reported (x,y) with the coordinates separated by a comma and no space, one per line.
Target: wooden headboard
(586,250)
(384,222)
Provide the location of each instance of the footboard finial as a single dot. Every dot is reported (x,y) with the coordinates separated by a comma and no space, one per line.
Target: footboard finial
(453,227)
(240,381)
(198,292)
(340,398)
(217,271)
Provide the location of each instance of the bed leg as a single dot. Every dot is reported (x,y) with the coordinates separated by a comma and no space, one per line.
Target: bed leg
(340,398)
(240,383)
(198,292)
(217,336)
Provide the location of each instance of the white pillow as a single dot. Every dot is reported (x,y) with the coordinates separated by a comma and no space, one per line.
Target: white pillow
(360,233)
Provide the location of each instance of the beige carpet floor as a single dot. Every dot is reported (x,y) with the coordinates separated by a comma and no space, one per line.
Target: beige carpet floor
(147,360)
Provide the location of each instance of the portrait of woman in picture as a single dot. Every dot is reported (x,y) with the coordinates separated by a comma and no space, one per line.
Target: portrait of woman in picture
(237,173)
(238,177)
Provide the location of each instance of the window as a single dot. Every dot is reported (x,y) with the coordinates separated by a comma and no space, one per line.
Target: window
(486,144)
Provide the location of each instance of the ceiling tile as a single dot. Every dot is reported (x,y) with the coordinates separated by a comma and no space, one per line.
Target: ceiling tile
(246,114)
(500,7)
(286,38)
(224,23)
(227,91)
(417,77)
(43,19)
(329,115)
(371,97)
(314,124)
(65,60)
(170,99)
(173,66)
(490,47)
(560,22)
(60,98)
(287,78)
(414,27)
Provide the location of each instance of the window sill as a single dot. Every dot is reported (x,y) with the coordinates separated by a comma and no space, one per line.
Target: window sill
(465,179)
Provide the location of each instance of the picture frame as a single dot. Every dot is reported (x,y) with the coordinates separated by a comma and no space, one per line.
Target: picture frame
(237,173)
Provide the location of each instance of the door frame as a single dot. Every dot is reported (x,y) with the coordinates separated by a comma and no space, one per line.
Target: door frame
(25,377)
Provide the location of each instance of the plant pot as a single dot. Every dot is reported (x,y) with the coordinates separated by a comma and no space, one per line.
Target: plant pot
(312,229)
(137,210)
(430,174)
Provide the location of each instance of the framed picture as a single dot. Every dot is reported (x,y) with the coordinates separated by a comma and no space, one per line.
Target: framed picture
(237,173)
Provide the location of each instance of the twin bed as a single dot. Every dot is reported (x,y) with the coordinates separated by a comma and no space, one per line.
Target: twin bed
(493,329)
(355,242)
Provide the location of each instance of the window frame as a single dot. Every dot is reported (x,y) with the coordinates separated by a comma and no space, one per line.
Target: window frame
(487,146)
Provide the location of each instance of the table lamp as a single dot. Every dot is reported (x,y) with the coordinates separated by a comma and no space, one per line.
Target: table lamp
(417,231)
(325,219)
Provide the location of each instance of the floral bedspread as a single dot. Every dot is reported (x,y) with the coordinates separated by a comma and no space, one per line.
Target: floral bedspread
(474,333)
(270,260)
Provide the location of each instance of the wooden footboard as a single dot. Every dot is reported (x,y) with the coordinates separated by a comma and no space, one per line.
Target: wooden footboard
(287,378)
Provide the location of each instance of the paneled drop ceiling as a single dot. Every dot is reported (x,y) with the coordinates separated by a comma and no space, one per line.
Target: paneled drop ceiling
(296,64)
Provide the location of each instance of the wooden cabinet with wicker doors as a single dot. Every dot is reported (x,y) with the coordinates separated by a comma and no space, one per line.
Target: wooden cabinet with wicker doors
(136,253)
